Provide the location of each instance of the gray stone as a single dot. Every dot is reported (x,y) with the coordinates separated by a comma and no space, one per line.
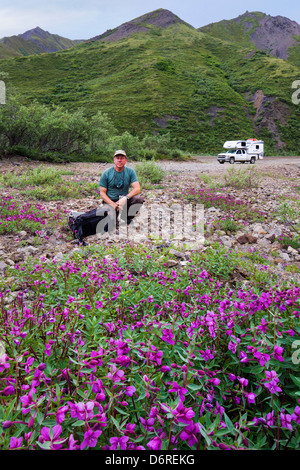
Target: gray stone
(176,253)
(284,256)
(3,266)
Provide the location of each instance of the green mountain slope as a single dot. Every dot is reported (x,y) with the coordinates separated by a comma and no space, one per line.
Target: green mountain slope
(275,35)
(34,41)
(201,89)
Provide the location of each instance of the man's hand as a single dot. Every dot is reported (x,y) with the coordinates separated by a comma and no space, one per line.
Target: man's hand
(121,203)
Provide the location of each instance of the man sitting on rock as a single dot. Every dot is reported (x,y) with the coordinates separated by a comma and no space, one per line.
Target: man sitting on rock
(118,199)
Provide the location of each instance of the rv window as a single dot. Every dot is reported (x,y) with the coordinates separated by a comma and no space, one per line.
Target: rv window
(257,146)
(243,144)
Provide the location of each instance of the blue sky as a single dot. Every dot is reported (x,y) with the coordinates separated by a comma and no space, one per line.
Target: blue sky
(84,19)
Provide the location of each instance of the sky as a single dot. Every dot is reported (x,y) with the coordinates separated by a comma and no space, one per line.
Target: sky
(78,19)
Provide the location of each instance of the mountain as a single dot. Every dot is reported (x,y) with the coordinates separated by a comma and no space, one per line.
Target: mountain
(160,18)
(34,41)
(275,35)
(158,74)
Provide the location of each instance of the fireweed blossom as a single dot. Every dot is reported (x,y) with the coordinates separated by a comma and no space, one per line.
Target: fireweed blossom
(176,388)
(4,364)
(118,443)
(90,439)
(190,433)
(155,443)
(168,336)
(52,436)
(46,390)
(15,443)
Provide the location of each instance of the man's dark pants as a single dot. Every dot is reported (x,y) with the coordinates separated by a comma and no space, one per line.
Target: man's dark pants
(126,215)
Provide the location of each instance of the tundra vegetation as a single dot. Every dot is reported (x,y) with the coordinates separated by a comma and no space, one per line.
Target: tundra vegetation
(111,347)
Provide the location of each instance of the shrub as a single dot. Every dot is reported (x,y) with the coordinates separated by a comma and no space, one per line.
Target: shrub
(241,178)
(149,172)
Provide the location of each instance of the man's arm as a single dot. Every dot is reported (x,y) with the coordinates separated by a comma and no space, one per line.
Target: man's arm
(136,189)
(106,199)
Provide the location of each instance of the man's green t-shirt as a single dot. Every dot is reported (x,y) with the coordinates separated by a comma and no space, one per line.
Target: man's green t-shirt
(117,183)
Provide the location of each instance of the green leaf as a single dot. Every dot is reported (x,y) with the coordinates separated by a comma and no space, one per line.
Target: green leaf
(194,387)
(122,412)
(116,423)
(296,380)
(80,422)
(229,424)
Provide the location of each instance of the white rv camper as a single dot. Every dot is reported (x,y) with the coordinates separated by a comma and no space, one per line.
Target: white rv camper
(242,151)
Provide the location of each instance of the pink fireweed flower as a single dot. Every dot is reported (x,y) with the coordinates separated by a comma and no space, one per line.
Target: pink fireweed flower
(262,358)
(118,442)
(27,401)
(270,418)
(189,433)
(263,326)
(176,388)
(116,375)
(52,435)
(155,355)
(285,420)
(148,423)
(4,364)
(72,443)
(90,439)
(243,357)
(232,345)
(243,381)
(273,387)
(155,443)
(129,429)
(129,390)
(15,442)
(28,363)
(250,397)
(271,375)
(182,414)
(207,354)
(82,411)
(168,336)
(61,414)
(296,415)
(219,409)
(277,353)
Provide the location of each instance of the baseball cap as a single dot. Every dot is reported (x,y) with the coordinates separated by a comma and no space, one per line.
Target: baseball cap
(120,152)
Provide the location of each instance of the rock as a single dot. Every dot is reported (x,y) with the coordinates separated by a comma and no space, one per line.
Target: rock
(271,238)
(10,262)
(292,250)
(60,256)
(3,266)
(284,256)
(176,253)
(276,246)
(258,229)
(171,262)
(22,233)
(246,238)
